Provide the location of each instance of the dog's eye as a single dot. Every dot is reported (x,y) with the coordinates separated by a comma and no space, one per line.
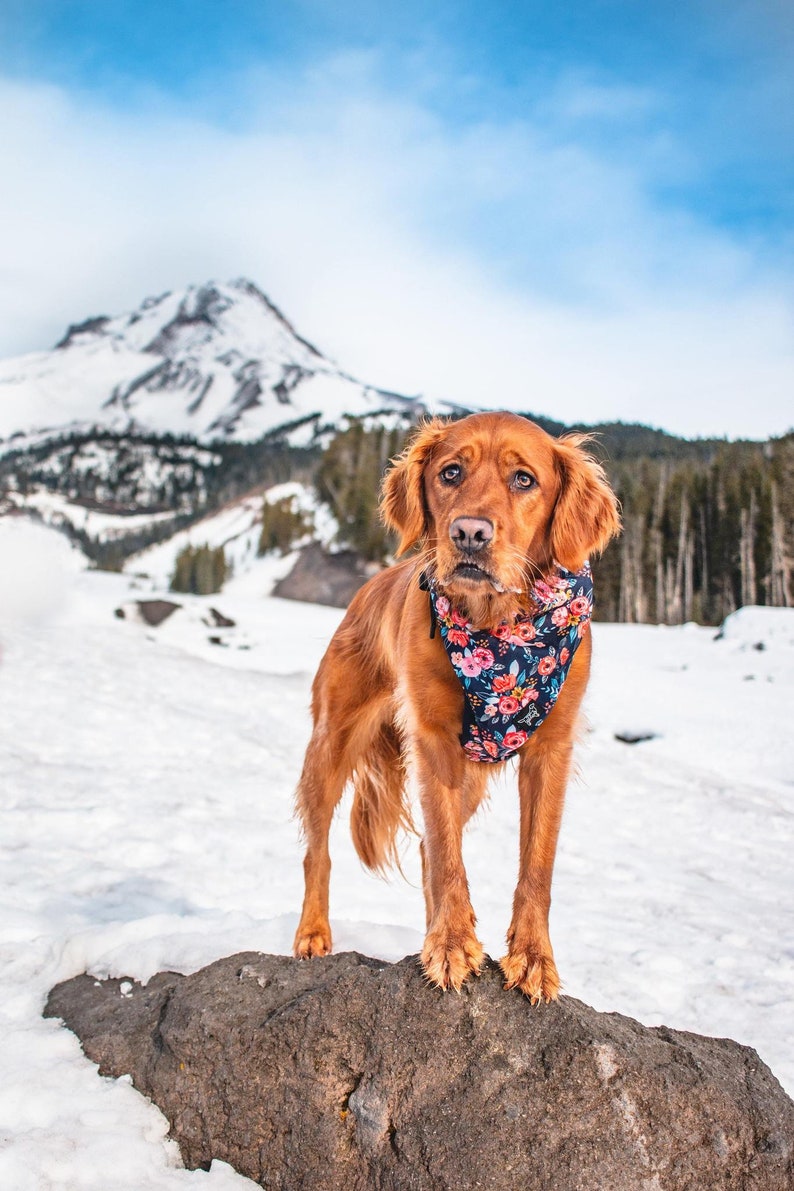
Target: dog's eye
(451,474)
(524,481)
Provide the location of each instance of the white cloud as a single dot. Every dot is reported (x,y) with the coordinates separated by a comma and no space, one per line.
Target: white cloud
(493,264)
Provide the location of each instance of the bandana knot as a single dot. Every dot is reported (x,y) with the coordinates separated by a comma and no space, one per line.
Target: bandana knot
(511,678)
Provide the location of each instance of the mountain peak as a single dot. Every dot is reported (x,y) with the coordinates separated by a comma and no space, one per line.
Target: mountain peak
(214,360)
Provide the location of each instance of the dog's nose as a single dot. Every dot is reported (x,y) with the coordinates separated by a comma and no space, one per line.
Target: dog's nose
(471,534)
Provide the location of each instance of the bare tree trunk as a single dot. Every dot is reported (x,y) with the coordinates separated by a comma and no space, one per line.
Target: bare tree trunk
(780,563)
(659,560)
(747,552)
(661,492)
(631,601)
(704,559)
(689,580)
(626,601)
(639,580)
(677,601)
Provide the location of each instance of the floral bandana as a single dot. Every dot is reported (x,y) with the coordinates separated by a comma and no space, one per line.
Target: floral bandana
(511,678)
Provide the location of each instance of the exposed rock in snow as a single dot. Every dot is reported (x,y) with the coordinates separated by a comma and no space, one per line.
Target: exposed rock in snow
(150,612)
(319,577)
(635,735)
(348,1073)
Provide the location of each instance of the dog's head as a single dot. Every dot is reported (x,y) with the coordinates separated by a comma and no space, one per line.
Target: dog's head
(495,502)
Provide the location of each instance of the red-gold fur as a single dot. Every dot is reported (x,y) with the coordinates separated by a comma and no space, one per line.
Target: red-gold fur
(386,698)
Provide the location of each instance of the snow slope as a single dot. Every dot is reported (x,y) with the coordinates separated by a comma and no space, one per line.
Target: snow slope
(237,528)
(217,361)
(145,823)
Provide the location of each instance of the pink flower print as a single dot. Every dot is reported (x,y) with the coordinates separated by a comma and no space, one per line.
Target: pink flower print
(456,658)
(509,705)
(560,616)
(458,617)
(530,696)
(514,740)
(543,590)
(523,632)
(503,632)
(582,628)
(457,637)
(565,653)
(547,665)
(503,683)
(490,748)
(469,666)
(580,606)
(442,606)
(484,658)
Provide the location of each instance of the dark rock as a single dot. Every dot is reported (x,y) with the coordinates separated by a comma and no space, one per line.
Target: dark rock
(217,620)
(322,578)
(351,1073)
(90,326)
(151,612)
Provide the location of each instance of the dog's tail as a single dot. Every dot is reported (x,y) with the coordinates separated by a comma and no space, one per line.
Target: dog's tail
(380,809)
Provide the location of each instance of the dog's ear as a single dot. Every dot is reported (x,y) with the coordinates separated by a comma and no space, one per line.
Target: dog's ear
(586,516)
(402,502)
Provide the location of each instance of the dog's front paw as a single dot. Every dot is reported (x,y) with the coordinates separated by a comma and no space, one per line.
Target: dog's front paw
(448,959)
(533,972)
(312,939)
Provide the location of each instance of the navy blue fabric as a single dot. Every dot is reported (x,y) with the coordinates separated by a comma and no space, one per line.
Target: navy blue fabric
(511,678)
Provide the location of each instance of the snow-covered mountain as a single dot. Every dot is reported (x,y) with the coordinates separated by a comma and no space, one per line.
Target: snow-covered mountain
(215,362)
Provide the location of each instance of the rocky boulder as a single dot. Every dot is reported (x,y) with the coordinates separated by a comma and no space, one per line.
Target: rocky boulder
(149,612)
(351,1073)
(322,578)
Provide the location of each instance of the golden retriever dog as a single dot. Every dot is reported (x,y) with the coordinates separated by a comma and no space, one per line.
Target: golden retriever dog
(502,512)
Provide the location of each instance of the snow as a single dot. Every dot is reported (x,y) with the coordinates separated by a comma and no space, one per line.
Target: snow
(237,528)
(58,510)
(146,778)
(61,388)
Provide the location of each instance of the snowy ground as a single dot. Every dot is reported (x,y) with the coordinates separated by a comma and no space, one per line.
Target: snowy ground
(146,778)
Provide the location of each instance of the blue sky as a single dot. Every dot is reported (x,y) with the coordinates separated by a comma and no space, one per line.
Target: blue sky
(584,209)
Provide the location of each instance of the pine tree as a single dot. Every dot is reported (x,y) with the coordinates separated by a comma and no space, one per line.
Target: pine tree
(200,570)
(283,524)
(348,479)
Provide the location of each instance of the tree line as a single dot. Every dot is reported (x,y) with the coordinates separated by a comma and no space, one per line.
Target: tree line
(708,525)
(701,540)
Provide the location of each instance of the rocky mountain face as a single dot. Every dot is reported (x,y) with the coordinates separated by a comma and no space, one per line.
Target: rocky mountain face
(348,1072)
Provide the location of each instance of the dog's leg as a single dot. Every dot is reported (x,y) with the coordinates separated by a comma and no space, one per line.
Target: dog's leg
(321,785)
(543,775)
(470,800)
(349,719)
(451,950)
